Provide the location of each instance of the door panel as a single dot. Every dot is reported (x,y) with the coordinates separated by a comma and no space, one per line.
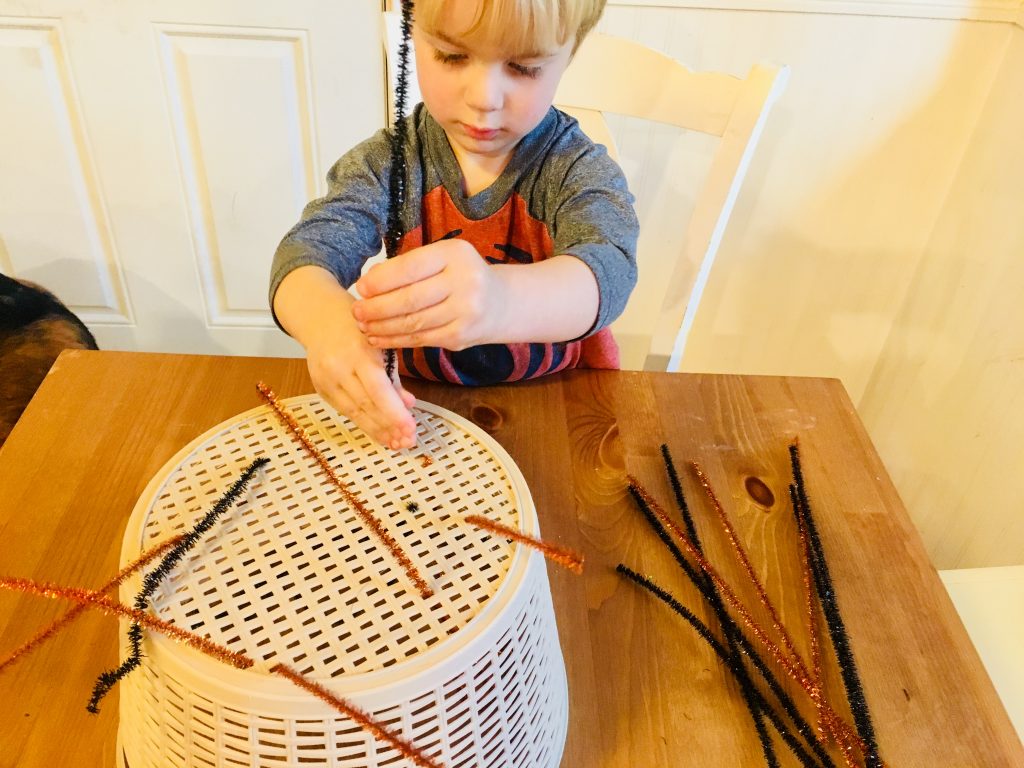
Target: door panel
(161,149)
(53,225)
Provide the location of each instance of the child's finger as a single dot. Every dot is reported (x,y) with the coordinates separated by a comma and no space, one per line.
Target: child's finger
(419,322)
(402,270)
(401,301)
(390,409)
(448,336)
(407,397)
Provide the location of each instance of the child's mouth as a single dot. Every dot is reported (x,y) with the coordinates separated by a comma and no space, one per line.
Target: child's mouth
(480,134)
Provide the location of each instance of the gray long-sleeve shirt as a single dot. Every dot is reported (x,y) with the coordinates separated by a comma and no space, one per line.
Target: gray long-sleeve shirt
(559,194)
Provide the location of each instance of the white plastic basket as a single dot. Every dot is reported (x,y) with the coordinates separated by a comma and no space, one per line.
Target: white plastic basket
(473,676)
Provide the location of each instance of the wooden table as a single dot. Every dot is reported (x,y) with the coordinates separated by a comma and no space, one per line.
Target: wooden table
(644,690)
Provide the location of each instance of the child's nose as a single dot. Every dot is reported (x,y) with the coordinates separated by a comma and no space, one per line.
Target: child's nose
(485,90)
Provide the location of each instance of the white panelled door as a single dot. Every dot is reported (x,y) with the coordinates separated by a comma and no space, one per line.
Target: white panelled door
(153,153)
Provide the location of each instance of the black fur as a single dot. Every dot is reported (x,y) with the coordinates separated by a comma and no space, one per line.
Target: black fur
(22,304)
(35,327)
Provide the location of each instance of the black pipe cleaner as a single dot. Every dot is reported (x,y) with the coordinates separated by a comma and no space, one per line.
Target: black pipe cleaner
(830,607)
(735,659)
(397,179)
(733,630)
(107,680)
(730,660)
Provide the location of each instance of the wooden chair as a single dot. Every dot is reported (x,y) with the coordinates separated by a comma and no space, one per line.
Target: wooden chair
(618,76)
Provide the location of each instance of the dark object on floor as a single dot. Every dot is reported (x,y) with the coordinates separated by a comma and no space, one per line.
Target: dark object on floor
(34,328)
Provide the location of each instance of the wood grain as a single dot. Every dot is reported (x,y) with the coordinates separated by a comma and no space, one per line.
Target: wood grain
(644,690)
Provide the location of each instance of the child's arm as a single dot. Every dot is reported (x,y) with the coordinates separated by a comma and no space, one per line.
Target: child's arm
(314,263)
(344,368)
(445,295)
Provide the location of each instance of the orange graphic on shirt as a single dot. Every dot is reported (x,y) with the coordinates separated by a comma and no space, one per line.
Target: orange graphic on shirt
(508,236)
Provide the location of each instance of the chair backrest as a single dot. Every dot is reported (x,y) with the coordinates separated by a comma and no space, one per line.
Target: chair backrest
(614,75)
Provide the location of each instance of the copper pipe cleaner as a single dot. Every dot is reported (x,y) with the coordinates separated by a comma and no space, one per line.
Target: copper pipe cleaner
(741,555)
(300,436)
(364,720)
(56,626)
(734,663)
(839,730)
(706,587)
(88,599)
(812,622)
(795,667)
(564,557)
(94,600)
(711,595)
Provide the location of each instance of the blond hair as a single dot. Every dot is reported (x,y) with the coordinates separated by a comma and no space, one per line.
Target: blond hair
(522,26)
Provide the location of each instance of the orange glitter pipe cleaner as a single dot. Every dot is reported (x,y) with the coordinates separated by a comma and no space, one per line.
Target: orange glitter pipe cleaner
(793,667)
(366,722)
(300,436)
(564,557)
(68,618)
(741,555)
(827,719)
(93,600)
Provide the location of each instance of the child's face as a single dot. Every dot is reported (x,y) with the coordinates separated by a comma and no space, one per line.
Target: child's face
(484,97)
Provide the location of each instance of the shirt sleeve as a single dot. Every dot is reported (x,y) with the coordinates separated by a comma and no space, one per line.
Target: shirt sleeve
(343,229)
(594,220)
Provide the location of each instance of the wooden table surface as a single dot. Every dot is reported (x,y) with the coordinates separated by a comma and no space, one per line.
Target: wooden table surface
(645,691)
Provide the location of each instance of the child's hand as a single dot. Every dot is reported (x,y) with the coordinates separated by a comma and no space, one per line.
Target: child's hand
(350,375)
(440,295)
(346,371)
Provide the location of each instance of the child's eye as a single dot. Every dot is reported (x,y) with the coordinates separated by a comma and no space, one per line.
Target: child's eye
(524,70)
(449,58)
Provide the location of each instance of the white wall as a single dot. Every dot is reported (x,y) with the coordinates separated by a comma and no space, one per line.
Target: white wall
(945,403)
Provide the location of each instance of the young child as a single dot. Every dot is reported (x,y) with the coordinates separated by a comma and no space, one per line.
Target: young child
(518,234)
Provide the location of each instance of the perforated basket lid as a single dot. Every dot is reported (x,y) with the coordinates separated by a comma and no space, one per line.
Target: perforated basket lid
(291,574)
